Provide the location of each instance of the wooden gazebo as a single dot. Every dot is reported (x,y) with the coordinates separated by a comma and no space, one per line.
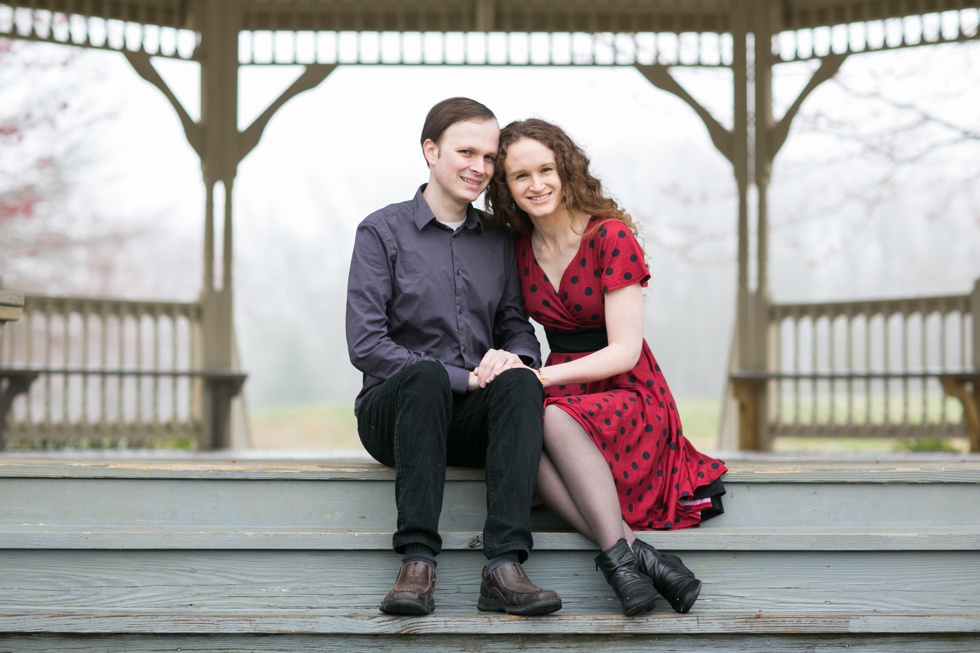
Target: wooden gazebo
(222,552)
(748,37)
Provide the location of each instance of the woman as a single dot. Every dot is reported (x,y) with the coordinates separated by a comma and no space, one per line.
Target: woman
(615,458)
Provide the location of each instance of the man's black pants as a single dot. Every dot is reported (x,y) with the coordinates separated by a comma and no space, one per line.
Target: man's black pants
(414,423)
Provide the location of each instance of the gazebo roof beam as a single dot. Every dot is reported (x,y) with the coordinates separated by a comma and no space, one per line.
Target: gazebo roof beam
(806,29)
(488,15)
(163,13)
(809,14)
(498,15)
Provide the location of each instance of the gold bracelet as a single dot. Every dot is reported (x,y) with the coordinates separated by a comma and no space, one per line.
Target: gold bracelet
(541,378)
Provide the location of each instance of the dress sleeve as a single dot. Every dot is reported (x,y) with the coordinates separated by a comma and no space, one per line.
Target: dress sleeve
(620,257)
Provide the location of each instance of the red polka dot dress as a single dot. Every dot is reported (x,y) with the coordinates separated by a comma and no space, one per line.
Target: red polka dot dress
(662,480)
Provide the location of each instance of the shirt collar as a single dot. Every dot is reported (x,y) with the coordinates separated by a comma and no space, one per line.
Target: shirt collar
(424,214)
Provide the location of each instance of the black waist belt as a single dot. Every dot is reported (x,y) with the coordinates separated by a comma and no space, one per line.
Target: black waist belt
(575,342)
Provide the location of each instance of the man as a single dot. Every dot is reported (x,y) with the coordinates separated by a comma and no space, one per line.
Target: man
(436,323)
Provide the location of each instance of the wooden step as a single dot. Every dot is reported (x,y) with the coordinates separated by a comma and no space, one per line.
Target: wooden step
(422,638)
(332,496)
(221,554)
(341,583)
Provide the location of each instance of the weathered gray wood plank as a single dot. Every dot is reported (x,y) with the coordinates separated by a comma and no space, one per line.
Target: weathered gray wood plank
(717,539)
(963,468)
(492,625)
(332,505)
(291,583)
(759,643)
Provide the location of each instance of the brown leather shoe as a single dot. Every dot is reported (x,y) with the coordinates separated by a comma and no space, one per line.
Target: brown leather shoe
(412,592)
(508,589)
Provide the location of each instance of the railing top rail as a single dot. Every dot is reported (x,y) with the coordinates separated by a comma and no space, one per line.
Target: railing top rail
(933,304)
(33,302)
(855,374)
(211,374)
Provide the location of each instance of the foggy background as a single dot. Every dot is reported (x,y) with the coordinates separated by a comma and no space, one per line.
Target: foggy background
(876,192)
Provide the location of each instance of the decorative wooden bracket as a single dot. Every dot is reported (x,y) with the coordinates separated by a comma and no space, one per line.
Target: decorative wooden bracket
(660,76)
(311,77)
(140,62)
(829,66)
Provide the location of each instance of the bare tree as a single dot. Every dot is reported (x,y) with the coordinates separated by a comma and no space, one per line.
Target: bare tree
(891,143)
(54,236)
(893,133)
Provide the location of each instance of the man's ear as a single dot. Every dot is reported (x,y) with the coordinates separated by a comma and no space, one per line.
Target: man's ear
(431,151)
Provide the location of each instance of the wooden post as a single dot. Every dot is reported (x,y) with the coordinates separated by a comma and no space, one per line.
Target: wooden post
(220,25)
(965,386)
(752,77)
(751,153)
(975,310)
(11,307)
(750,395)
(754,337)
(221,146)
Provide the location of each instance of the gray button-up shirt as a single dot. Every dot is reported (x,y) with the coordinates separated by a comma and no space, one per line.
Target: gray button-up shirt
(418,291)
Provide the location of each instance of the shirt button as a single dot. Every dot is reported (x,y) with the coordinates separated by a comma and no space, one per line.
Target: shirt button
(459,272)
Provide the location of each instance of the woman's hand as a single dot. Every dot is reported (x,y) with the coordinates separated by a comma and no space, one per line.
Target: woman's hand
(494,363)
(624,331)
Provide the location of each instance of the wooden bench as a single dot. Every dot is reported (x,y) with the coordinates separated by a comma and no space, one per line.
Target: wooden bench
(748,387)
(11,306)
(222,386)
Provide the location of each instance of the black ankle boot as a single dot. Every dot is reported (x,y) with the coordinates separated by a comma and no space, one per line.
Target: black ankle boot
(670,577)
(618,565)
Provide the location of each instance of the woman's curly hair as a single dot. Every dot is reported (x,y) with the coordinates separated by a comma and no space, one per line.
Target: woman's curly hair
(582,192)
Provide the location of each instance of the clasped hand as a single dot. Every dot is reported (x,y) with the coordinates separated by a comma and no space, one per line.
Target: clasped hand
(494,363)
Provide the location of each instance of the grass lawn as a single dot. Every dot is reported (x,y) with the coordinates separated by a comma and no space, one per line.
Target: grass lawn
(333,427)
(309,427)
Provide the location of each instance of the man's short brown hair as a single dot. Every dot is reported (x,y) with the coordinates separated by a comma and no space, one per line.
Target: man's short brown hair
(450,111)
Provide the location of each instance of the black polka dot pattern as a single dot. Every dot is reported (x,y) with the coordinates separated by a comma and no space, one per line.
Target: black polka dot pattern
(632,417)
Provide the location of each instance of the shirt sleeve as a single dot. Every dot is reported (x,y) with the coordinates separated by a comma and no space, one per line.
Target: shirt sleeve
(512,329)
(620,257)
(369,290)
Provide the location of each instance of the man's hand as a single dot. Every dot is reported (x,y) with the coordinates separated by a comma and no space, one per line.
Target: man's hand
(495,362)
